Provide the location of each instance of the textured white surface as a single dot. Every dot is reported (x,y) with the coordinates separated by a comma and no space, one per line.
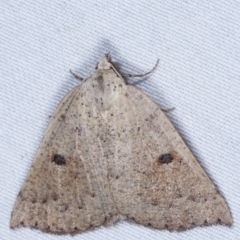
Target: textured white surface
(199,74)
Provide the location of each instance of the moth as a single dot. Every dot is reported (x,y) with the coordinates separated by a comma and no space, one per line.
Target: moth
(110,153)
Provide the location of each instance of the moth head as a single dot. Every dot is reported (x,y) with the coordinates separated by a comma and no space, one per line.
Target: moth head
(104,63)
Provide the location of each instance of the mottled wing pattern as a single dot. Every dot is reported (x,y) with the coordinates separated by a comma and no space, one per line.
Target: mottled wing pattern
(110,153)
(63,191)
(160,183)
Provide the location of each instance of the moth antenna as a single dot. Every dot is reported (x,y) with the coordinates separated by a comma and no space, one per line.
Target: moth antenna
(76,76)
(143,74)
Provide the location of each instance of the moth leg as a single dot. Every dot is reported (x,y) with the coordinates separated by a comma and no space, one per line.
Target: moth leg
(166,110)
(76,76)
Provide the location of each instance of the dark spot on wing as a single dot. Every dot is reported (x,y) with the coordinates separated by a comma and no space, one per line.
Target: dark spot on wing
(63,117)
(20,194)
(100,83)
(59,159)
(219,221)
(191,198)
(181,228)
(78,130)
(54,197)
(165,158)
